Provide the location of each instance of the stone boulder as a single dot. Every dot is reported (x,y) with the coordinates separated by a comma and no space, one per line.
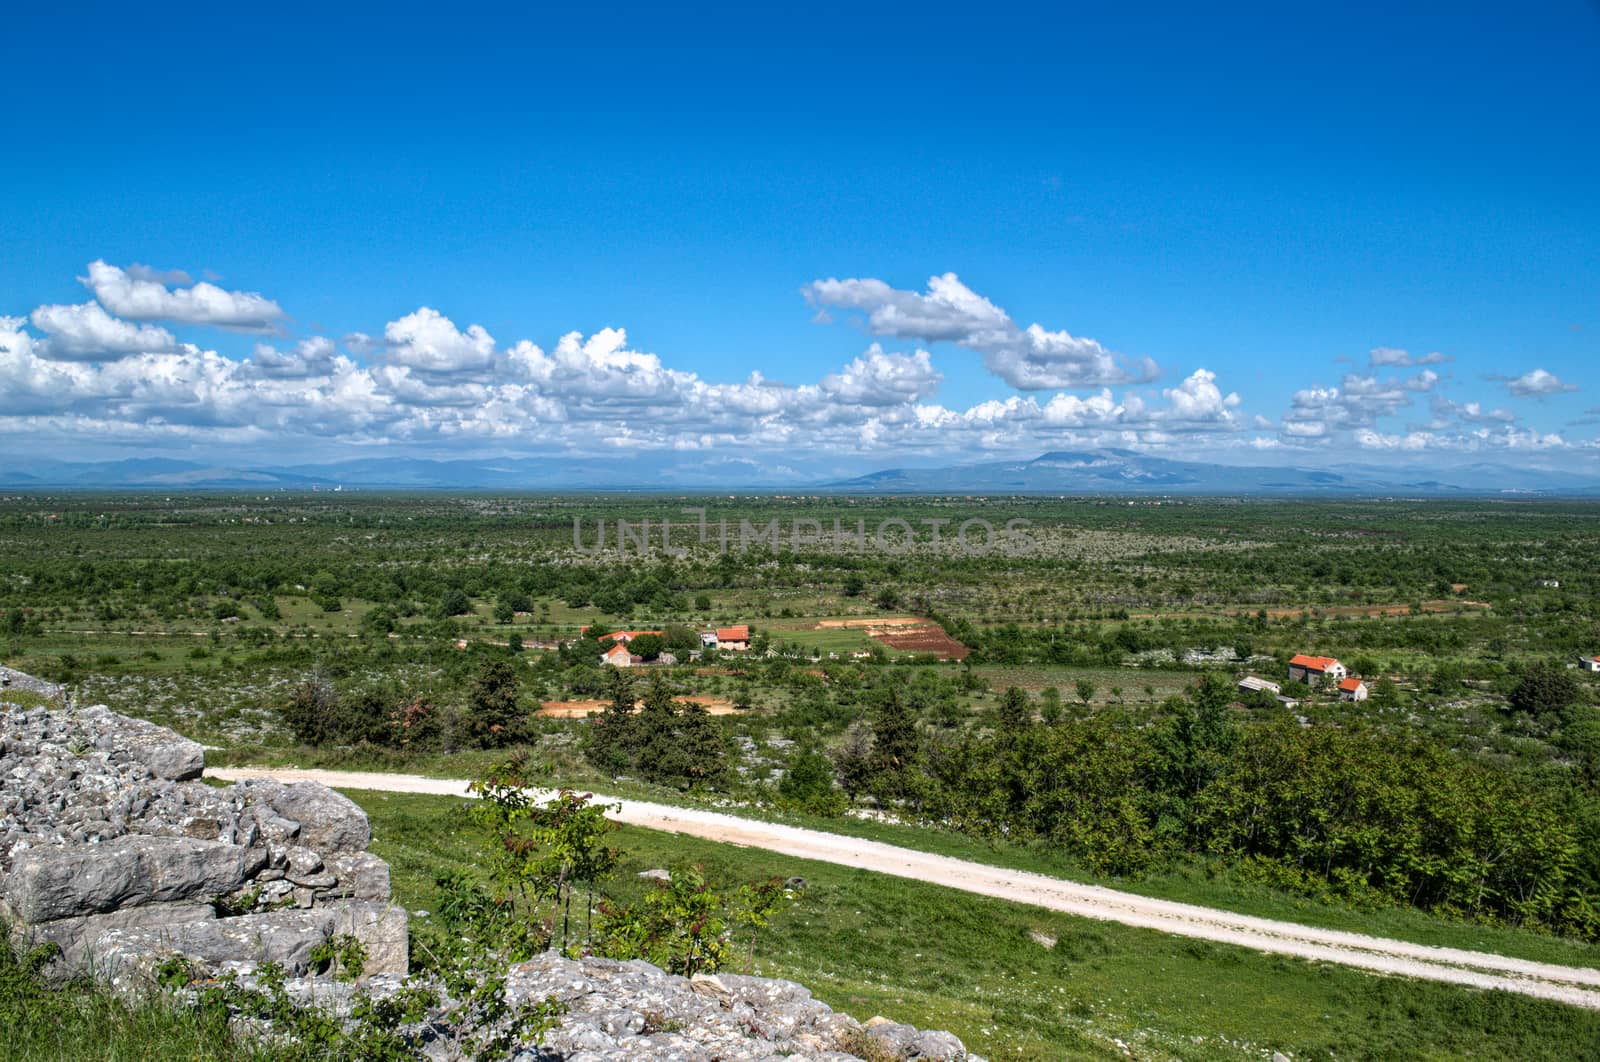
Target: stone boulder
(127,957)
(49,884)
(330,822)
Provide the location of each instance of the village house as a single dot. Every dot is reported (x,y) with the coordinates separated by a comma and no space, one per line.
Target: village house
(1312,669)
(624,637)
(1352,689)
(1589,663)
(736,638)
(618,656)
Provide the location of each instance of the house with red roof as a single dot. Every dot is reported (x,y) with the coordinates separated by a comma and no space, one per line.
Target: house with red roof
(1589,663)
(1352,689)
(618,656)
(736,638)
(1313,669)
(624,637)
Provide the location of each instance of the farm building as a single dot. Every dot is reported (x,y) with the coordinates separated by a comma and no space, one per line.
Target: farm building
(1590,663)
(1352,689)
(1311,668)
(618,656)
(624,637)
(736,637)
(1251,684)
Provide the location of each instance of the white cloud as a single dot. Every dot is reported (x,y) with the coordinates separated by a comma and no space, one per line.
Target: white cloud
(429,342)
(309,357)
(1445,411)
(880,379)
(140,294)
(1536,384)
(1029,359)
(1356,404)
(85,332)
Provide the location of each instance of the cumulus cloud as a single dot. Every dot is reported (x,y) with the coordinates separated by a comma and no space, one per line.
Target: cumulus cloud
(1355,405)
(1536,383)
(428,341)
(1030,359)
(85,332)
(1446,411)
(880,379)
(141,294)
(309,357)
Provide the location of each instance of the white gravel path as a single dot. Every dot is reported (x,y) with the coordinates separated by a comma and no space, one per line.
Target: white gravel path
(1575,985)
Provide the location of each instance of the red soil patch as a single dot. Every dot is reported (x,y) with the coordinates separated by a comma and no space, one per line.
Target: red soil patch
(927,638)
(578,709)
(870,621)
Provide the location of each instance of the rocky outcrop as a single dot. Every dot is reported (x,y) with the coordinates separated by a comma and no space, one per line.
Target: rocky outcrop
(12,679)
(109,851)
(633,1010)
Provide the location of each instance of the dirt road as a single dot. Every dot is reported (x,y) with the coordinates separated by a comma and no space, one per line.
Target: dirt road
(1574,985)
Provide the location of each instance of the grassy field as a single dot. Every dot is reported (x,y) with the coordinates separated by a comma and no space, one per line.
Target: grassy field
(868,944)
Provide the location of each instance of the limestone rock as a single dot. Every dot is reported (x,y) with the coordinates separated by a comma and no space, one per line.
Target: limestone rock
(123,956)
(329,822)
(78,938)
(50,884)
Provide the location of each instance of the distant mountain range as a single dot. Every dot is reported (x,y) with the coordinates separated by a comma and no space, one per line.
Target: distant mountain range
(1108,471)
(1112,471)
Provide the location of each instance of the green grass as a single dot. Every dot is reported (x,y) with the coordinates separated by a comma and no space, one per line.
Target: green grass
(869,944)
(841,640)
(67,1023)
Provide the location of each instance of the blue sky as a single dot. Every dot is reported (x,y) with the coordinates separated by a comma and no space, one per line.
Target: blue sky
(1212,216)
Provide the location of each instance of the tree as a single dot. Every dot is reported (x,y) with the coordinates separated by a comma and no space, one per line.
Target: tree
(312,710)
(705,747)
(895,747)
(648,646)
(455,602)
(808,783)
(1545,688)
(680,640)
(1050,705)
(854,585)
(1014,714)
(702,603)
(613,736)
(1084,689)
(495,720)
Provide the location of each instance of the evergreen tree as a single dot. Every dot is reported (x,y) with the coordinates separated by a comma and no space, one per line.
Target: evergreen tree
(494,719)
(703,745)
(895,747)
(613,736)
(1544,688)
(1015,714)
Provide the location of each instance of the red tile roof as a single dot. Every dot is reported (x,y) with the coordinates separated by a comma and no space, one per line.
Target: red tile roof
(740,633)
(1313,663)
(1350,685)
(625,636)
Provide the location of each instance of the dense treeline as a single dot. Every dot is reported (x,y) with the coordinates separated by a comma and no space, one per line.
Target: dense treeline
(1364,818)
